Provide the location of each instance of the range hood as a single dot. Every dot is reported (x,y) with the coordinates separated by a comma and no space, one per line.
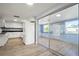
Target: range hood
(3,30)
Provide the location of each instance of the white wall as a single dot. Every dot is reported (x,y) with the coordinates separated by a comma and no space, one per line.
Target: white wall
(2,23)
(3,38)
(37,31)
(29,32)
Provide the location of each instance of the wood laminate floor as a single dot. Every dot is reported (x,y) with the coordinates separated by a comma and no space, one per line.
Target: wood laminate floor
(15,47)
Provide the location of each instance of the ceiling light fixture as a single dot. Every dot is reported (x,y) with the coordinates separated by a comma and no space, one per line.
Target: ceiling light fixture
(15,19)
(58,15)
(29,3)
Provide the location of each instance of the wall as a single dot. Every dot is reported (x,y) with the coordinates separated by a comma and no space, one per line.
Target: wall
(57,40)
(29,33)
(3,38)
(66,14)
(1,23)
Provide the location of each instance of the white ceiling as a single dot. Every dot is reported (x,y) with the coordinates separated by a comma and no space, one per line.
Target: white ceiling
(66,14)
(25,11)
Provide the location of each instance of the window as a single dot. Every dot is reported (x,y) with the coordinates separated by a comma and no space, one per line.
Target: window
(46,28)
(71,27)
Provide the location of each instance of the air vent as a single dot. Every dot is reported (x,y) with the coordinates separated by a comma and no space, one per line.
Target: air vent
(17,16)
(32,21)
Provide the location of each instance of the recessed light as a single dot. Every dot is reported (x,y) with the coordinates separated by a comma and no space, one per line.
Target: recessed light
(58,15)
(15,19)
(29,3)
